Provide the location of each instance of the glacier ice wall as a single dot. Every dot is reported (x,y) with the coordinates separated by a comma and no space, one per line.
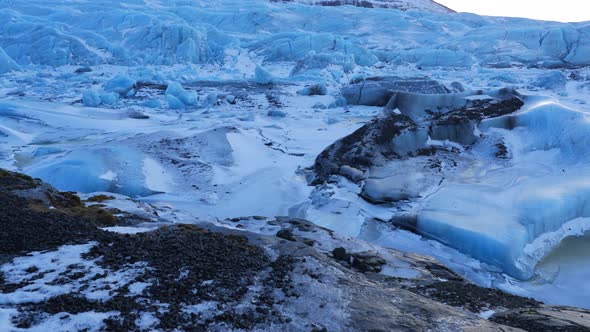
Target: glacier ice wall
(53,33)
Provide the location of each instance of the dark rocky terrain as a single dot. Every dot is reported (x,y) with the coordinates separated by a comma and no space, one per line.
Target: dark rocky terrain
(290,275)
(408,121)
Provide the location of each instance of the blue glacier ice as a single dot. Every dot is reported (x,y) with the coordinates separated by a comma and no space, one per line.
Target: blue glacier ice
(175,92)
(553,80)
(128,33)
(510,217)
(121,84)
(91,98)
(151,103)
(109,98)
(262,76)
(113,169)
(174,103)
(425,57)
(6,63)
(211,99)
(95,97)
(314,61)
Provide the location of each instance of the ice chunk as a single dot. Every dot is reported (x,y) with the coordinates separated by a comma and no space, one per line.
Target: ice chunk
(109,98)
(377,91)
(151,103)
(121,84)
(230,99)
(91,98)
(262,76)
(211,99)
(495,224)
(174,103)
(176,91)
(393,188)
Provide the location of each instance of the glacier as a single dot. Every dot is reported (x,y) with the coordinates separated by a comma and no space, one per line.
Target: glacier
(6,63)
(449,134)
(198,32)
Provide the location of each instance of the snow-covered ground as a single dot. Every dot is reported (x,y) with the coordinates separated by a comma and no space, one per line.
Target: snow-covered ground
(200,109)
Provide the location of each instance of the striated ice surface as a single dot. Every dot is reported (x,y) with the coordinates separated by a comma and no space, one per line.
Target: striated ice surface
(52,33)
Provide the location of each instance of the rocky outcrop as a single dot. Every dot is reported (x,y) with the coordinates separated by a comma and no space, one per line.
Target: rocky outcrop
(241,274)
(408,122)
(353,155)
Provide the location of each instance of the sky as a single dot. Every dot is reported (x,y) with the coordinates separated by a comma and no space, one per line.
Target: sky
(553,10)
